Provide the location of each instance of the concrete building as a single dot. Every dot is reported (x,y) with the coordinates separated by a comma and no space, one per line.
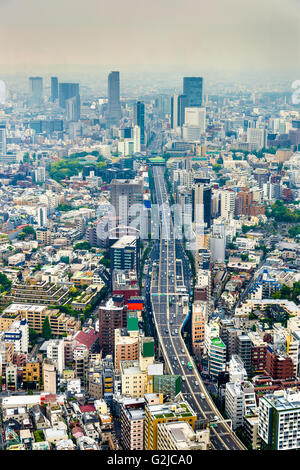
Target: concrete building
(164,413)
(56,352)
(279,420)
(180,436)
(240,401)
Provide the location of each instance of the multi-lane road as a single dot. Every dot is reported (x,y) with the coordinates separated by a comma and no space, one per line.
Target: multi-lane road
(170,304)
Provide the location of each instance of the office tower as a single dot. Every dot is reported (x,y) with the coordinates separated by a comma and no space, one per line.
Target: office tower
(139,119)
(67,91)
(194,123)
(3,139)
(125,254)
(114,106)
(54,88)
(136,139)
(73,109)
(256,138)
(36,89)
(42,216)
(216,356)
(178,105)
(202,204)
(192,88)
(124,194)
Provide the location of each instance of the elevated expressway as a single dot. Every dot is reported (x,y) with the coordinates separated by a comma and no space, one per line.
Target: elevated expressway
(170,309)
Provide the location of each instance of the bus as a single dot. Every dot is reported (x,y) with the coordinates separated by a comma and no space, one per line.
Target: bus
(189,366)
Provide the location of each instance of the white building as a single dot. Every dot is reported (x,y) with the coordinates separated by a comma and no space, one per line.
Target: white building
(42,217)
(240,401)
(18,334)
(279,419)
(56,352)
(237,371)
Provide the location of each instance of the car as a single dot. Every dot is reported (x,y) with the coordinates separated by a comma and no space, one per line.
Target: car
(182,362)
(202,396)
(183,378)
(196,383)
(215,418)
(182,351)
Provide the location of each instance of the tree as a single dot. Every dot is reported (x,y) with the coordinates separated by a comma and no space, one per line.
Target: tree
(5,283)
(82,246)
(33,335)
(46,329)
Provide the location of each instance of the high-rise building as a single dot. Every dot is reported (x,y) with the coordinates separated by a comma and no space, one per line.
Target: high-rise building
(54,88)
(49,376)
(36,89)
(2,139)
(139,119)
(199,313)
(114,105)
(279,420)
(244,347)
(178,105)
(112,315)
(73,109)
(125,253)
(66,92)
(124,194)
(216,356)
(239,402)
(56,352)
(202,204)
(136,139)
(42,216)
(192,88)
(40,175)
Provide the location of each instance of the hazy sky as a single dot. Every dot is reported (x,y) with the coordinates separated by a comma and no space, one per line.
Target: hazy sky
(220,34)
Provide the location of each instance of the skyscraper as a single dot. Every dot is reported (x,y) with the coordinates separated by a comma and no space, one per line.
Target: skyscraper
(66,92)
(192,88)
(114,106)
(178,105)
(139,119)
(54,88)
(36,89)
(202,204)
(2,139)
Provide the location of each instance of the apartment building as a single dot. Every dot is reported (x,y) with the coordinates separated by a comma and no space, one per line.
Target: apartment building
(35,316)
(164,413)
(279,420)
(180,436)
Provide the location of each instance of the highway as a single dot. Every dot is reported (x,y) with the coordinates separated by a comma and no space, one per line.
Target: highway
(170,304)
